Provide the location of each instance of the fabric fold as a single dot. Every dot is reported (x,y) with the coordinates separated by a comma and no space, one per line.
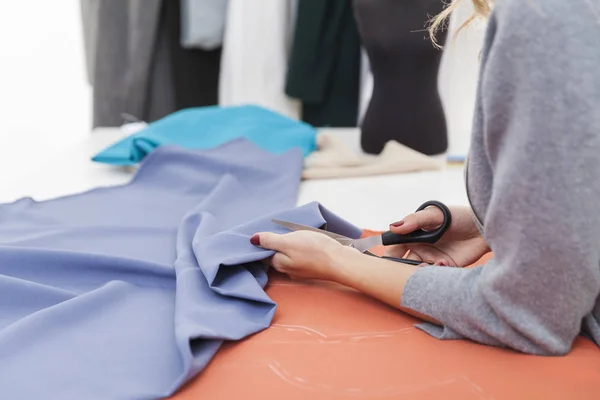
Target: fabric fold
(134,287)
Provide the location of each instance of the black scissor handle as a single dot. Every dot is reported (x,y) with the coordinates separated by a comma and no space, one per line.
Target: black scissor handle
(420,236)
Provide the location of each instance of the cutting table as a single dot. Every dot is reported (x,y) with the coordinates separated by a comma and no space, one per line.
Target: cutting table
(328,342)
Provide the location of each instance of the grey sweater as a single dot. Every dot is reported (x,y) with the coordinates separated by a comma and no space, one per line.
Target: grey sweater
(534,185)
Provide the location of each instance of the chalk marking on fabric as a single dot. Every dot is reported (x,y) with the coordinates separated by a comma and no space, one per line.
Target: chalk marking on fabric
(324,386)
(299,328)
(342,337)
(288,284)
(478,389)
(386,391)
(382,335)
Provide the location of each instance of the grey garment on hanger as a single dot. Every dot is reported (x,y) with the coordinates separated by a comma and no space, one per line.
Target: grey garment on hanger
(161,88)
(127,60)
(203,23)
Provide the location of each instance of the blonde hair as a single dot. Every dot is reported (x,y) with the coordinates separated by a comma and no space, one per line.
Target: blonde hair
(482,10)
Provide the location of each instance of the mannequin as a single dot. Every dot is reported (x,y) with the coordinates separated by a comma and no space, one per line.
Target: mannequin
(405,105)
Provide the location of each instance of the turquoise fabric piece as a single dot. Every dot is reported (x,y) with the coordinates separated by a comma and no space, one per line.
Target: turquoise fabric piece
(209,127)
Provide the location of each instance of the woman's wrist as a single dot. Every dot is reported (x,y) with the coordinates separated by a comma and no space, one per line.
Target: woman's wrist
(352,268)
(379,278)
(344,265)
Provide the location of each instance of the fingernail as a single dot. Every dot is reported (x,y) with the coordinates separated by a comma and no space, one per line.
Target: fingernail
(397,224)
(255,240)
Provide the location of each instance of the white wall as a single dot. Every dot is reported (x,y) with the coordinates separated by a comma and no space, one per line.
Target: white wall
(458,77)
(45,101)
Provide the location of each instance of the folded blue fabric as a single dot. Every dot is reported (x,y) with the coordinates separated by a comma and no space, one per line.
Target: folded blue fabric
(209,127)
(127,292)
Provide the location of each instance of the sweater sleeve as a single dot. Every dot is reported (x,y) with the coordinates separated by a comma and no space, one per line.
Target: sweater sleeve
(539,116)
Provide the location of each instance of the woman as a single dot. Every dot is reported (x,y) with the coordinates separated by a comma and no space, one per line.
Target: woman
(533,179)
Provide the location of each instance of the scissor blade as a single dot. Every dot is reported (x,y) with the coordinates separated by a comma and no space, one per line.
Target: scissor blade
(367,243)
(292,226)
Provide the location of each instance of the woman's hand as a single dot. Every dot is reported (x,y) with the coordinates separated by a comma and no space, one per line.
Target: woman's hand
(460,246)
(303,254)
(311,255)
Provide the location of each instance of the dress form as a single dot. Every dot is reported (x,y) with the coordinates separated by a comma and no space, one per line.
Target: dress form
(405,104)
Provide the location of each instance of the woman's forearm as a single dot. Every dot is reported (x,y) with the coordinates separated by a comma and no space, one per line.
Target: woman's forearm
(379,278)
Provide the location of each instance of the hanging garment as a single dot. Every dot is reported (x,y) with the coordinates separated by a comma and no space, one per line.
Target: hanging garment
(325,63)
(209,127)
(255,54)
(195,72)
(203,23)
(335,159)
(128,292)
(127,60)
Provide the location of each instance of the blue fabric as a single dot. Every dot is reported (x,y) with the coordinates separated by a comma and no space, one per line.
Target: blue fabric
(209,127)
(127,292)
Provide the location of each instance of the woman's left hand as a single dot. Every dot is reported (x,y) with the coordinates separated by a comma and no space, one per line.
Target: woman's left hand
(312,255)
(303,254)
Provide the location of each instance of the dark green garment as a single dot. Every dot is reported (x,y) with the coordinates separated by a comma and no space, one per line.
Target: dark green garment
(324,67)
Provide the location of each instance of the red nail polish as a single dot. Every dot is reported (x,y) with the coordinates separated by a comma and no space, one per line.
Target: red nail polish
(397,224)
(255,240)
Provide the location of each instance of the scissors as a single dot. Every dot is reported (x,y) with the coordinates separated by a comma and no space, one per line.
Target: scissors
(387,238)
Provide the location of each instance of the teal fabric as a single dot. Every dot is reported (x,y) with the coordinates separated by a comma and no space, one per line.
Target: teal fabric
(209,127)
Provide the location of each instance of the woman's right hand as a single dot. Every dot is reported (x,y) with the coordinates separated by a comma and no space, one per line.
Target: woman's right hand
(461,245)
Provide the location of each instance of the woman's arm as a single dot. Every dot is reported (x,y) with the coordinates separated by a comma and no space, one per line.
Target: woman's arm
(309,255)
(539,138)
(379,278)
(538,165)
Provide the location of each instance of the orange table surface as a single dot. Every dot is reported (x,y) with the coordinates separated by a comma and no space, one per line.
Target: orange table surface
(328,342)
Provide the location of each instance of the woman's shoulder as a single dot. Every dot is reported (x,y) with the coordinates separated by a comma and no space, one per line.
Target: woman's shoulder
(559,35)
(546,20)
